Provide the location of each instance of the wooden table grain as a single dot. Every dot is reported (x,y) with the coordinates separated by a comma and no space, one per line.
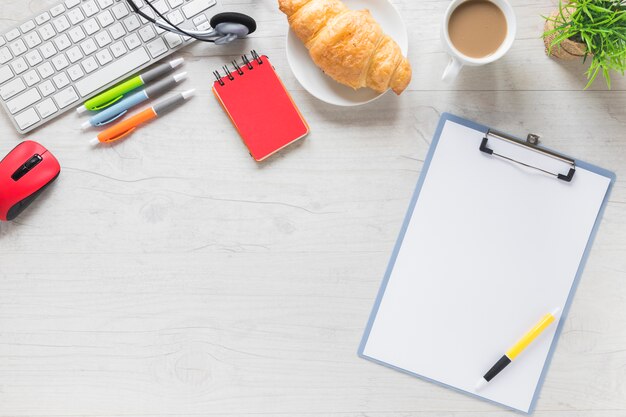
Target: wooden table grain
(173,275)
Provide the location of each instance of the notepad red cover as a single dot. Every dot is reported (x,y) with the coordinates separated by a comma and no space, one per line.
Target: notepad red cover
(260,107)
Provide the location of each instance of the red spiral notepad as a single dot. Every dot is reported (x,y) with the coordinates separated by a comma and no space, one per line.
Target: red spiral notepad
(259,106)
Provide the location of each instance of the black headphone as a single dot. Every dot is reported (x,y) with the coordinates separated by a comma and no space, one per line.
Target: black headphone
(225,27)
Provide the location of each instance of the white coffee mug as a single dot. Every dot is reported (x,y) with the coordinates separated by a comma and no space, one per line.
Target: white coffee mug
(457,59)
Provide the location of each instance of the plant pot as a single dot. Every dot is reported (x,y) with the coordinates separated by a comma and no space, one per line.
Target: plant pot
(567,49)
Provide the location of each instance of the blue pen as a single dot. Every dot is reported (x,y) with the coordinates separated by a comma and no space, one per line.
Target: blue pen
(120,108)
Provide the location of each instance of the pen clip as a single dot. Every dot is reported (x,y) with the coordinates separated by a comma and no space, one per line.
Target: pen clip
(112,118)
(105,105)
(121,136)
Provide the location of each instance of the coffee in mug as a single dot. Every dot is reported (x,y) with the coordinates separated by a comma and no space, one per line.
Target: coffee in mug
(477,28)
(476,32)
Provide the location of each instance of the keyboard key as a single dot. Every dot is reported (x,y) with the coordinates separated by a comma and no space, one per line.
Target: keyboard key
(34,58)
(117,31)
(19,65)
(18,47)
(76,16)
(46,31)
(118,68)
(12,35)
(75,72)
(104,57)
(194,7)
(132,41)
(105,18)
(12,88)
(2,41)
(46,108)
(32,40)
(5,74)
(105,3)
(42,18)
(176,17)
(204,25)
(199,19)
(24,100)
(118,49)
(31,78)
(131,23)
(173,40)
(71,3)
(160,6)
(120,10)
(148,12)
(74,54)
(89,46)
(147,33)
(103,38)
(27,26)
(47,88)
(48,50)
(27,119)
(61,80)
(91,26)
(57,10)
(157,47)
(90,8)
(65,97)
(60,61)
(5,55)
(62,42)
(175,3)
(76,34)
(90,64)
(61,24)
(45,70)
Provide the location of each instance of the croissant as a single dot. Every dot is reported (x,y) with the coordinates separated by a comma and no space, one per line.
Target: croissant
(348,45)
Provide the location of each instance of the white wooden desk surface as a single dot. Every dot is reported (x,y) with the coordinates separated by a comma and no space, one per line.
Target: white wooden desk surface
(173,275)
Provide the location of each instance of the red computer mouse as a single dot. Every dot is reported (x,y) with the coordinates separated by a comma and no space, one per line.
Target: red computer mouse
(24,173)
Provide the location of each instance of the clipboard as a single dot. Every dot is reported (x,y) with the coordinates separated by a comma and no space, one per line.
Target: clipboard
(475,266)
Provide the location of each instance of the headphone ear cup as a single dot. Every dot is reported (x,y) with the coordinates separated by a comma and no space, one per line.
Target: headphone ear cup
(232,17)
(228,28)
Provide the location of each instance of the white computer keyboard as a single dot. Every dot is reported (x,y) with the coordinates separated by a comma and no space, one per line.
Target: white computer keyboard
(62,56)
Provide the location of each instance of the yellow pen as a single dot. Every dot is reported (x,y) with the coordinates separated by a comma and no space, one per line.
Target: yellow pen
(518,347)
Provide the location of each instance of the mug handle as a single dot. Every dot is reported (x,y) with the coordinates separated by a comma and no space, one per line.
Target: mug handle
(452,70)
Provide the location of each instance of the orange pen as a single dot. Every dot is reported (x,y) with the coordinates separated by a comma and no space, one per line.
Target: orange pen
(126,127)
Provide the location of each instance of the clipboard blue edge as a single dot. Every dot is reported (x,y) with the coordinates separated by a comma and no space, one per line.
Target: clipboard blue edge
(445,117)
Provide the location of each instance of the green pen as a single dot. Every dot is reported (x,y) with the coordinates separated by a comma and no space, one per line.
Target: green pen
(112,95)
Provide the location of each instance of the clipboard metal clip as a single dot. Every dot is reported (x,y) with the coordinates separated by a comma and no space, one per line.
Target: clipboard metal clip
(531,143)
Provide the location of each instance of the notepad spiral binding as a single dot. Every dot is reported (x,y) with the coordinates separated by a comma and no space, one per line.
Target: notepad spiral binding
(237,68)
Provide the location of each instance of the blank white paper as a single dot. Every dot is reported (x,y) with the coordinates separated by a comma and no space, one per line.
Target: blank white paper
(490,248)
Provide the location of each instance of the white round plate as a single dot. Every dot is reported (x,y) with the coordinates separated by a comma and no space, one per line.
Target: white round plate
(325,88)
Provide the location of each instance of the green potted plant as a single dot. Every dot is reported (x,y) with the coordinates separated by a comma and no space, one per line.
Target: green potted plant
(592,30)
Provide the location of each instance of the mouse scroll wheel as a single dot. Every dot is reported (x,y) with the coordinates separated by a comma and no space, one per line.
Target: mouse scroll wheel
(32,162)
